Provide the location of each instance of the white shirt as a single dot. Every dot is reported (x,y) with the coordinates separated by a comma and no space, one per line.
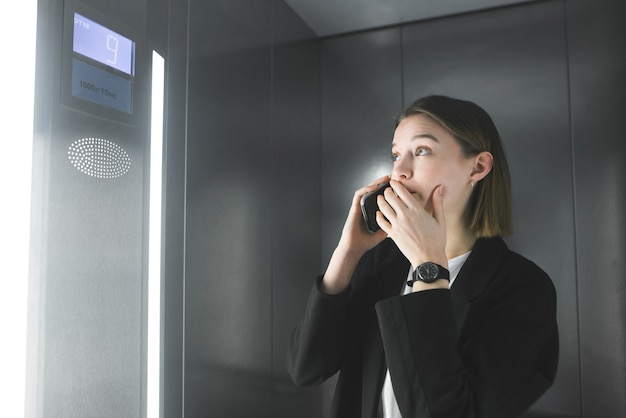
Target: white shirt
(390,405)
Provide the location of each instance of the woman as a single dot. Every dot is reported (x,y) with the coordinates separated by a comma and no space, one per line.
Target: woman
(441,319)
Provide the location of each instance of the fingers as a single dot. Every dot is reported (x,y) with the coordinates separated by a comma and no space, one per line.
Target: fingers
(398,197)
(437,199)
(400,194)
(355,219)
(371,187)
(383,222)
(376,184)
(400,200)
(417,227)
(388,205)
(381,181)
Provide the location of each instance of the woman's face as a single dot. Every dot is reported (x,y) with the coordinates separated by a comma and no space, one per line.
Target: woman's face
(425,155)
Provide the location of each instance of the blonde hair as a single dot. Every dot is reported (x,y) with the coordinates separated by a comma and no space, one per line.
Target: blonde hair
(490,205)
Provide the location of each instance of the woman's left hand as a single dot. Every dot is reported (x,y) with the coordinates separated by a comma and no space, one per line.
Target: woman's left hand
(419,235)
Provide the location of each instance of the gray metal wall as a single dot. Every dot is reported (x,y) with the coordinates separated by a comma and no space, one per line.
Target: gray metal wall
(551,74)
(252,207)
(87,310)
(241,218)
(597,36)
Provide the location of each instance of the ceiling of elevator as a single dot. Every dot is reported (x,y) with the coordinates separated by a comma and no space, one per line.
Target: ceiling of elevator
(333,17)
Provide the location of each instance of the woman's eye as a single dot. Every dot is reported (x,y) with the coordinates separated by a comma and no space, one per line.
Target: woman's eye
(395,157)
(421,152)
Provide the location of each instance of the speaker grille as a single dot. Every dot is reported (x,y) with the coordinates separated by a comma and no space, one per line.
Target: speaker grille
(99,158)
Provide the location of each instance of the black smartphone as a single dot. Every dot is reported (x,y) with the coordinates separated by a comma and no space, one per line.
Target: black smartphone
(369,208)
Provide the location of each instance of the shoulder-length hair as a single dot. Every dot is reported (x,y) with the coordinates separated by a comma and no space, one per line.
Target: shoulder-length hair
(490,205)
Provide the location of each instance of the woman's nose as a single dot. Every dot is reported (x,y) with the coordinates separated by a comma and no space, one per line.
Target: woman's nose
(402,169)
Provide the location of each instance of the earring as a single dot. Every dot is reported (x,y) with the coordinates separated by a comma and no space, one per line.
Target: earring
(473,185)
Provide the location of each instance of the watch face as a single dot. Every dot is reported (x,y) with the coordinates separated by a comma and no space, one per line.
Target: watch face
(428,272)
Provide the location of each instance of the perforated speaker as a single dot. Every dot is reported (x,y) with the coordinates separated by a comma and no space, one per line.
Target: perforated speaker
(99,158)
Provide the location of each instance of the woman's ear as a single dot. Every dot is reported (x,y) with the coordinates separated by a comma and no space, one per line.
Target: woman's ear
(483,163)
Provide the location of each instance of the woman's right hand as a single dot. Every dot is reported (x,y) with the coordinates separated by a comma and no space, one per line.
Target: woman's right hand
(355,237)
(355,241)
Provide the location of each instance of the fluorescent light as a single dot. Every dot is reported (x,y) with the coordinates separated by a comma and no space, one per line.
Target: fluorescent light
(154,242)
(16,125)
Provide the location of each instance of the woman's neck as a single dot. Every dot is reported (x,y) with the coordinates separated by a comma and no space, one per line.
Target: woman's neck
(459,240)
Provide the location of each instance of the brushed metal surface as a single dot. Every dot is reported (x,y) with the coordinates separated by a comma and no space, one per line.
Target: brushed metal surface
(361,95)
(598,68)
(329,18)
(295,197)
(88,316)
(253,189)
(228,252)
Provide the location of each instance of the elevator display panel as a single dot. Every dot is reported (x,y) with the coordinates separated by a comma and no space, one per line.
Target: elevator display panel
(103,45)
(99,65)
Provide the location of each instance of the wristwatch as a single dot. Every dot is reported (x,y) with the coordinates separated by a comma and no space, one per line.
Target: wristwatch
(429,272)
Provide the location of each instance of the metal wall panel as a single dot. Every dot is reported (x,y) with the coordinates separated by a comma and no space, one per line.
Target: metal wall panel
(597,37)
(513,62)
(295,194)
(88,311)
(228,251)
(253,212)
(361,95)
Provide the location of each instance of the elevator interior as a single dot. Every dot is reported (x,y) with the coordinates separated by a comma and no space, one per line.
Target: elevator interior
(275,112)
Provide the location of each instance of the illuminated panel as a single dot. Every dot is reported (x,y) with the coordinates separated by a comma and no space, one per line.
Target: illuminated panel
(154,241)
(103,45)
(102,66)
(101,87)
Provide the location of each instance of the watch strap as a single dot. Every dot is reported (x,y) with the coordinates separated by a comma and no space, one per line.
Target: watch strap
(443,273)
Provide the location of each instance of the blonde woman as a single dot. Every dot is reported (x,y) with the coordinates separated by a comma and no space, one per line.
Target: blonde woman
(432,315)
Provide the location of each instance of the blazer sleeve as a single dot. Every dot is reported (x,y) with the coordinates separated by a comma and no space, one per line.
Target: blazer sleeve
(499,369)
(332,325)
(318,341)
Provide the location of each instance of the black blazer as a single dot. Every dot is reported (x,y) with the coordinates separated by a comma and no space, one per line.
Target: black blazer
(488,347)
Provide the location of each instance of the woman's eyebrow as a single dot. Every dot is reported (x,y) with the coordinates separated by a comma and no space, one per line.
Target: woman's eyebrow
(430,136)
(418,136)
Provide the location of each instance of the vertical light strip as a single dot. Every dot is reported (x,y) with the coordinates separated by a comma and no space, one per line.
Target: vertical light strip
(154,242)
(18,29)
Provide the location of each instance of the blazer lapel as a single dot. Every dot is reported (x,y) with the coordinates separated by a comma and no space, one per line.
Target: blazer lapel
(479,269)
(389,280)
